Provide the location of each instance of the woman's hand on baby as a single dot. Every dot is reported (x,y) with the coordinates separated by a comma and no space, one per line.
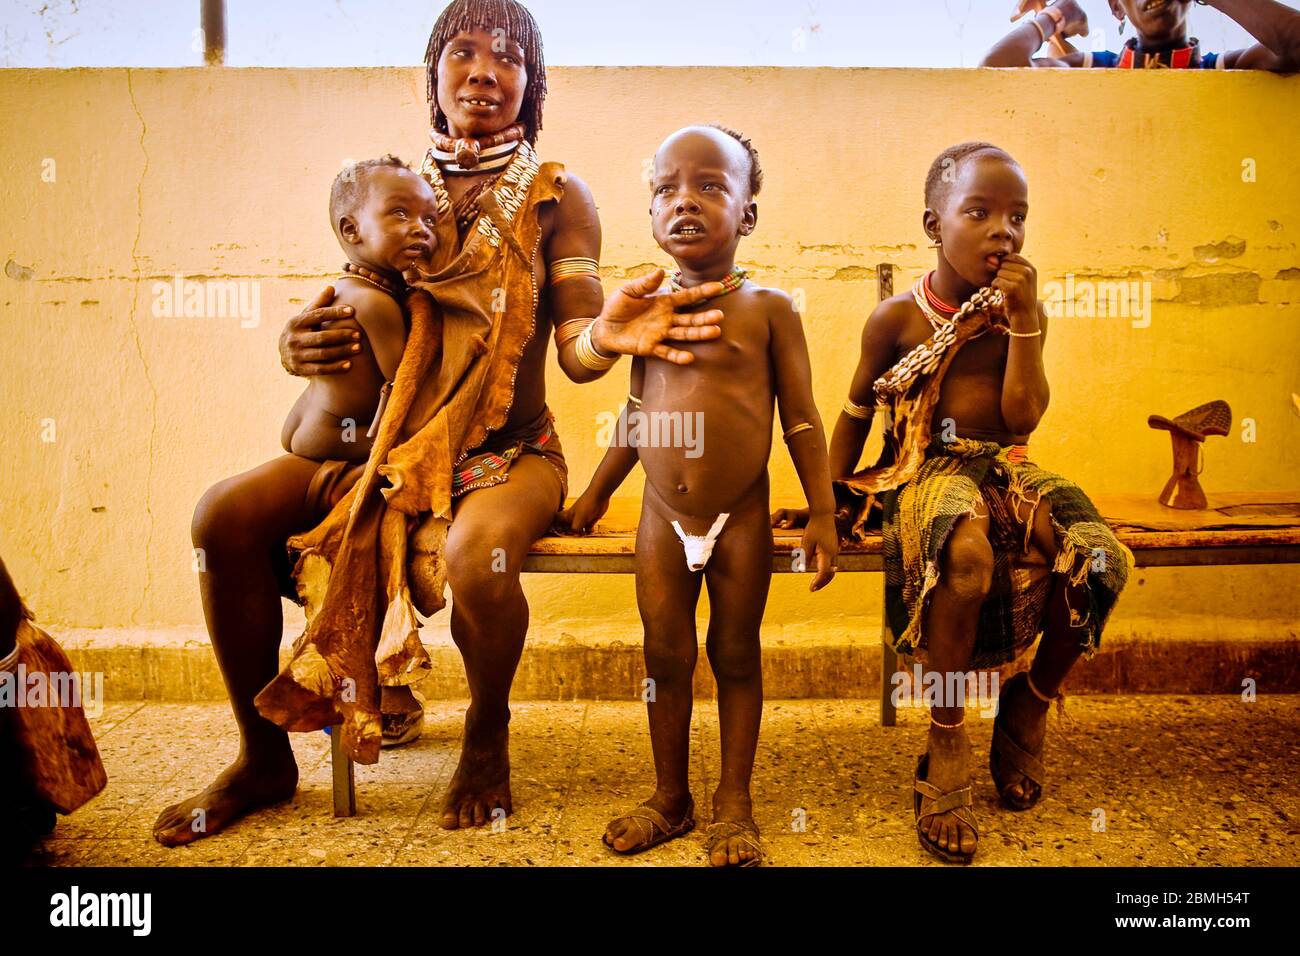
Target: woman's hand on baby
(581,516)
(790,518)
(636,319)
(1017,279)
(820,546)
(306,349)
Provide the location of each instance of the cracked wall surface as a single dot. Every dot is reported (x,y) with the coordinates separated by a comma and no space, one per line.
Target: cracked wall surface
(224,174)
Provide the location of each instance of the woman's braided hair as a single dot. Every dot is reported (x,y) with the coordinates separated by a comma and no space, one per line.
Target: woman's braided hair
(463,16)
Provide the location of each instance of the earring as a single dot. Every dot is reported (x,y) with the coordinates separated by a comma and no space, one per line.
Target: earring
(936,243)
(1122,22)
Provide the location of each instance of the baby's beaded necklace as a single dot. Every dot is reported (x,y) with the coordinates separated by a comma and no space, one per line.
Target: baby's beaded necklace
(374,278)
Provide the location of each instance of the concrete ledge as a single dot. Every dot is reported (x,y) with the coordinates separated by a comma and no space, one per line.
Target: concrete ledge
(137,668)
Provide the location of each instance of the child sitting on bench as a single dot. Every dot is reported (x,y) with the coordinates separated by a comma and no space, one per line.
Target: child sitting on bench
(983,549)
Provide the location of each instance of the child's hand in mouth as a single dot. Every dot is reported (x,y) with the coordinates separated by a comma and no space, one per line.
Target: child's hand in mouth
(1017,279)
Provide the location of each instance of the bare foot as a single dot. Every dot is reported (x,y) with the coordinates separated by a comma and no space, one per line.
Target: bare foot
(625,833)
(949,769)
(243,786)
(740,845)
(481,784)
(1024,717)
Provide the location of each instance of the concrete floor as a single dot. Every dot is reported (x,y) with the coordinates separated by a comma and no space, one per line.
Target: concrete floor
(1180,781)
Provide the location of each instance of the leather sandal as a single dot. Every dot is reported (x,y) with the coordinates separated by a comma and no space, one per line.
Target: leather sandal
(1009,761)
(401,729)
(650,828)
(957,802)
(721,831)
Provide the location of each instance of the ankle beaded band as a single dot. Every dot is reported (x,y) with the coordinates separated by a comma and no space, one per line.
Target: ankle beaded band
(1038,693)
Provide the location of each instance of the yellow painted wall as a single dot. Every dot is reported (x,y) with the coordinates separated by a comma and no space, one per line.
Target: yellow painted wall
(225,174)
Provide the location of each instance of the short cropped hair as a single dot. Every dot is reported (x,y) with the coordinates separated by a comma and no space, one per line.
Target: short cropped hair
(350,185)
(755,166)
(937,184)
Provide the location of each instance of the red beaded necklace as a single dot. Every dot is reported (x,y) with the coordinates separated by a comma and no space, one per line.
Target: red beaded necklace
(938,311)
(934,300)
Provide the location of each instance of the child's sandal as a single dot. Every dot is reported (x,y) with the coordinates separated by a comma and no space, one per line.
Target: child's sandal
(651,828)
(957,802)
(718,833)
(1009,761)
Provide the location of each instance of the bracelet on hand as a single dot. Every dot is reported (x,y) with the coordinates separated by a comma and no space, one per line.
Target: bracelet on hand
(594,350)
(589,356)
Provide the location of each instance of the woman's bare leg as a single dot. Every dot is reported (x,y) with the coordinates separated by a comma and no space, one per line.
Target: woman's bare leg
(490,535)
(238,525)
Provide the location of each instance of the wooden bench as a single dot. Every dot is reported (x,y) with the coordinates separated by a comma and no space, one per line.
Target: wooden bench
(1254,528)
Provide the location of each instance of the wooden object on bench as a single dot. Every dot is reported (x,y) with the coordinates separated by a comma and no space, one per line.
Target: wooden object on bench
(1188,432)
(1235,528)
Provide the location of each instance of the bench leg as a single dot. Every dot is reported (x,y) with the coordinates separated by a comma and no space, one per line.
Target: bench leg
(345,794)
(888,665)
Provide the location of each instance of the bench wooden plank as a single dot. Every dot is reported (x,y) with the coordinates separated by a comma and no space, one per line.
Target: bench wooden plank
(1266,538)
(1236,528)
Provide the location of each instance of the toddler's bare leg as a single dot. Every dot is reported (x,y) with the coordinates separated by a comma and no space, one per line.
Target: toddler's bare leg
(738,576)
(238,525)
(666,593)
